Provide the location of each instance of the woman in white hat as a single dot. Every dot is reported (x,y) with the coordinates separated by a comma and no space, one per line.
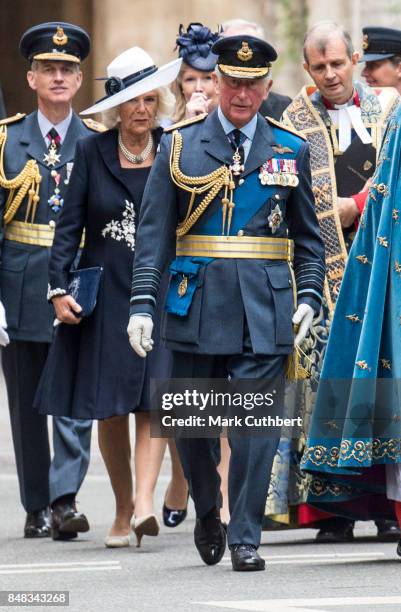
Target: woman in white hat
(92,372)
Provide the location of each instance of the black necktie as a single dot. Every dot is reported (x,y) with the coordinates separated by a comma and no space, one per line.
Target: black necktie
(237,138)
(54,137)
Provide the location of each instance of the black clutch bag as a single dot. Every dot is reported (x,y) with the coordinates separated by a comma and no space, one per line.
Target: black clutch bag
(83,286)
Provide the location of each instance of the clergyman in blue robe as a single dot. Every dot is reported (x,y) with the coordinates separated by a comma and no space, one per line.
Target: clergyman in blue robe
(354,444)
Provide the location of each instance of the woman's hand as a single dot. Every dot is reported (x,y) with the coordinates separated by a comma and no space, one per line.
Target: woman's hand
(197,105)
(67,309)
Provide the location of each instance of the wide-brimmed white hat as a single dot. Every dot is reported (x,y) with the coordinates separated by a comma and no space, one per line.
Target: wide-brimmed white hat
(132,74)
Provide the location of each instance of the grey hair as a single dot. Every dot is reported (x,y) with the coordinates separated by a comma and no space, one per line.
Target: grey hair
(165,108)
(322,32)
(243,23)
(35,64)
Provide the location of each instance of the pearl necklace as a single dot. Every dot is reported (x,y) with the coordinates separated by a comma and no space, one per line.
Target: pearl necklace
(131,157)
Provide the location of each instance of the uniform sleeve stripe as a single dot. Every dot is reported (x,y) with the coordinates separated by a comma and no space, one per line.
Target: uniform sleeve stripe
(308,292)
(145,285)
(143,298)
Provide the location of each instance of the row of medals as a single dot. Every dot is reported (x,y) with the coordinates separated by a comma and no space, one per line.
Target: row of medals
(281,172)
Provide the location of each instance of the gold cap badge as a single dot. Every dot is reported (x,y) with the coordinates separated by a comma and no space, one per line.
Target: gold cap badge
(245,53)
(365,43)
(60,38)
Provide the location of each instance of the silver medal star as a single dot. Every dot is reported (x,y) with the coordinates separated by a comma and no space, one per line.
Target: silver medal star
(275,219)
(51,158)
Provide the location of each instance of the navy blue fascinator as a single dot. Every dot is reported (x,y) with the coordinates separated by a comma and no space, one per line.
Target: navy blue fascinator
(195,45)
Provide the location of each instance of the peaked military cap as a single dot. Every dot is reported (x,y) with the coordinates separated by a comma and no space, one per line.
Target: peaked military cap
(380,43)
(56,40)
(244,57)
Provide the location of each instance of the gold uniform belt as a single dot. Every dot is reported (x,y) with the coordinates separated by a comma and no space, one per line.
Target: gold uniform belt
(33,233)
(235,247)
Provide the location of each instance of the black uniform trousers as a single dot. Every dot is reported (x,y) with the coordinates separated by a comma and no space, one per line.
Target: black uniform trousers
(41,480)
(23,363)
(251,458)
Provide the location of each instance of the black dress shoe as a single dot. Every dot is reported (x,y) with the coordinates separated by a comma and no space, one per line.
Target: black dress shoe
(210,537)
(399,548)
(245,558)
(340,534)
(37,524)
(388,531)
(67,522)
(173,518)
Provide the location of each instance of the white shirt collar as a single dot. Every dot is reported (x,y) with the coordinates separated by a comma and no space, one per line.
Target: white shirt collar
(45,125)
(248,129)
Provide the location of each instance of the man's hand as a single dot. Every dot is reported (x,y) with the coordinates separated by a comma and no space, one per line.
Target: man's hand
(347,211)
(303,317)
(140,334)
(4,339)
(366,185)
(197,105)
(67,309)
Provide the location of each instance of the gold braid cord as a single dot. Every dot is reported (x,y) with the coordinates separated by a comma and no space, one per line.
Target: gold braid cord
(197,185)
(27,182)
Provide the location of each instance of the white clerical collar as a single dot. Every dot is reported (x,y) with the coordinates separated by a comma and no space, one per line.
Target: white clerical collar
(348,117)
(351,102)
(45,126)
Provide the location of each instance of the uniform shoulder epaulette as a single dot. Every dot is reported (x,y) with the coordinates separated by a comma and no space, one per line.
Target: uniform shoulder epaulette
(185,122)
(284,127)
(96,126)
(12,119)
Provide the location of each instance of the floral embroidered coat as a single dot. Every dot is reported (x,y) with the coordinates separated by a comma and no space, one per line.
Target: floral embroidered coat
(92,372)
(355,429)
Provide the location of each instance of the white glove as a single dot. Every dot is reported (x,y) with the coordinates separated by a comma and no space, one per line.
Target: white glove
(303,317)
(139,330)
(4,339)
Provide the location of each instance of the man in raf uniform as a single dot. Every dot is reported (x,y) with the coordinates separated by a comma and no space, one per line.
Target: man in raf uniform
(382,56)
(238,186)
(38,152)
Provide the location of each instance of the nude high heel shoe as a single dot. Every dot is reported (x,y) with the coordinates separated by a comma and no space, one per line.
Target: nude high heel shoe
(117,541)
(145,525)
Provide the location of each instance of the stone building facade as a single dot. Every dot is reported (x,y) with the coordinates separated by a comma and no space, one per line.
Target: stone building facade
(118,24)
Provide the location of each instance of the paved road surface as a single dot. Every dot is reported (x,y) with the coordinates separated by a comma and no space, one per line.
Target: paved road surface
(167,575)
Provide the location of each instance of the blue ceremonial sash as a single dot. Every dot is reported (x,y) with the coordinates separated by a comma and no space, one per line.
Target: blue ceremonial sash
(248,198)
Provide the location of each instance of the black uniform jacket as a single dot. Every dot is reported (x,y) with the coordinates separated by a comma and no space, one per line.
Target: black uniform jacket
(24,267)
(228,291)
